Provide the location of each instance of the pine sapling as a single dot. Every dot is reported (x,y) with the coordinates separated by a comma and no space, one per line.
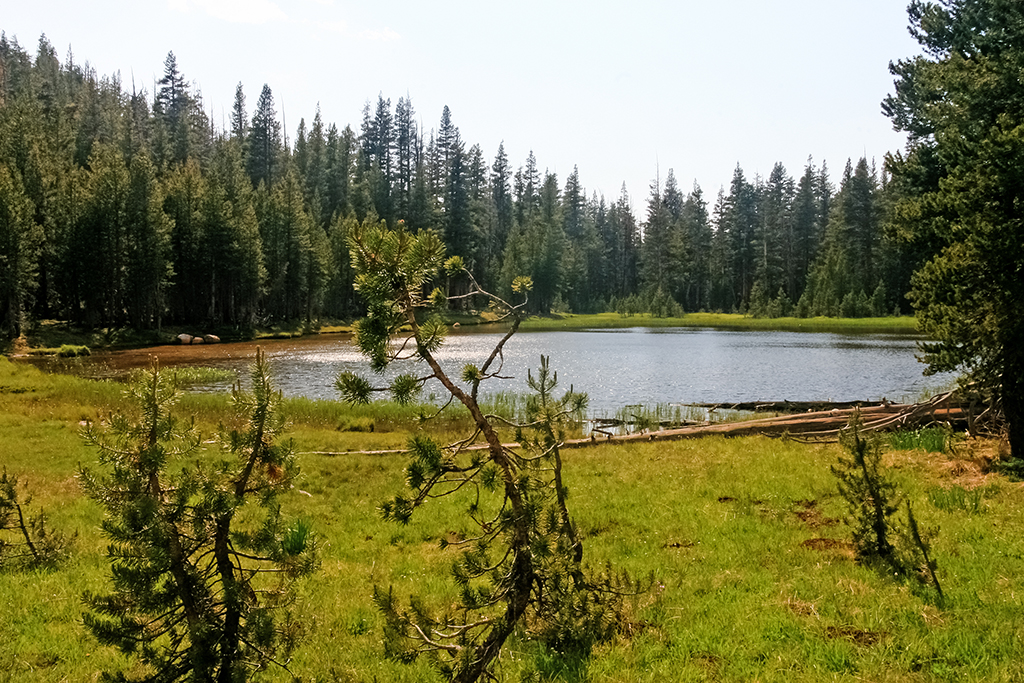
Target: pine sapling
(871,497)
(25,540)
(196,593)
(522,569)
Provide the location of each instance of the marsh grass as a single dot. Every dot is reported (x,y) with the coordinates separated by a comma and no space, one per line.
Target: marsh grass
(928,439)
(73,351)
(754,578)
(659,416)
(732,321)
(957,498)
(192,376)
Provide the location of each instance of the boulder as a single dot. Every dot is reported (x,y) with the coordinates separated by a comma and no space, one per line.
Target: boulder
(183,339)
(211,339)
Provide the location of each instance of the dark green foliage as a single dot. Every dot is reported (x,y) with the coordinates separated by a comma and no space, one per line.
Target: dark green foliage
(25,540)
(196,593)
(657,303)
(20,239)
(872,498)
(959,190)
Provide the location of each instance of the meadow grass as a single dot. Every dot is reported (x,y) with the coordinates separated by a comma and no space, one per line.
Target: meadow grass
(753,576)
(930,439)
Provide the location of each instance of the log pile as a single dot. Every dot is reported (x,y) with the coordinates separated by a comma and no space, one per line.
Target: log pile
(822,425)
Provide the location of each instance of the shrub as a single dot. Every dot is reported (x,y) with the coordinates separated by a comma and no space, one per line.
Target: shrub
(26,541)
(879,539)
(73,351)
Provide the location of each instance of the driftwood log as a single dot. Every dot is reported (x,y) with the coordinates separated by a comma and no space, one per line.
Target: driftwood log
(789,406)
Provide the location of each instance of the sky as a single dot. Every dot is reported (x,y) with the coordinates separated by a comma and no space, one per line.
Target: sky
(624,91)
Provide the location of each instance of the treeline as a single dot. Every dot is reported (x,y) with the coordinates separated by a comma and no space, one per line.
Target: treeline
(118,207)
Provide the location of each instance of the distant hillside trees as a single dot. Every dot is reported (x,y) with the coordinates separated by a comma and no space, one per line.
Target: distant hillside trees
(122,207)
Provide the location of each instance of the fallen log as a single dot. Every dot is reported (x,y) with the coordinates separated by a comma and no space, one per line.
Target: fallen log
(788,406)
(822,425)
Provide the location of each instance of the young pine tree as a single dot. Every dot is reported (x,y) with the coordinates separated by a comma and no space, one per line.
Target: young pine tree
(25,540)
(523,568)
(195,590)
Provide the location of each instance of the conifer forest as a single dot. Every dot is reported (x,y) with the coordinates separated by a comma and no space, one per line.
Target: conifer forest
(122,207)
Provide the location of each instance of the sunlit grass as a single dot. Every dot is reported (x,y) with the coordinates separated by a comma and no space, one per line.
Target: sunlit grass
(191,376)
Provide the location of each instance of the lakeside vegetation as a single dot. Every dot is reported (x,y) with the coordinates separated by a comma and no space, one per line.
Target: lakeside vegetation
(725,321)
(754,574)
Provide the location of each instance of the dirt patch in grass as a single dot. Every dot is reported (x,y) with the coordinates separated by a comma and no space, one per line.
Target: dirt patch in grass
(808,513)
(801,607)
(854,635)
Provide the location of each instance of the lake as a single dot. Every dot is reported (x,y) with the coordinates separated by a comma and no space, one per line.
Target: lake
(616,367)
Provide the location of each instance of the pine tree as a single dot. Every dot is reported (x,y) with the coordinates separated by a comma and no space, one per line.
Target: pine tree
(774,240)
(264,141)
(525,570)
(20,239)
(239,118)
(148,240)
(238,271)
(654,263)
(406,145)
(740,223)
(959,190)
(806,235)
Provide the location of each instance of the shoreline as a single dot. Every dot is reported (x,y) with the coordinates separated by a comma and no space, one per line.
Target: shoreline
(46,340)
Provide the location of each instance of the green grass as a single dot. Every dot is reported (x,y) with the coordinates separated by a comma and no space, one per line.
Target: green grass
(190,376)
(73,351)
(930,439)
(752,580)
(732,321)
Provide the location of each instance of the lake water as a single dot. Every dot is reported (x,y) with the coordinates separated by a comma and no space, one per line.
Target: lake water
(617,367)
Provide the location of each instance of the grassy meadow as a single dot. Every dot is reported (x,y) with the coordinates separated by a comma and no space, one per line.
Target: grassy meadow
(753,575)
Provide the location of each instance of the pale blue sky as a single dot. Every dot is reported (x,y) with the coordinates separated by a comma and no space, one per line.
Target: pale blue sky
(621,89)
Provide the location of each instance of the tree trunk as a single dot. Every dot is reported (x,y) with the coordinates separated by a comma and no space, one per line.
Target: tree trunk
(1013,402)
